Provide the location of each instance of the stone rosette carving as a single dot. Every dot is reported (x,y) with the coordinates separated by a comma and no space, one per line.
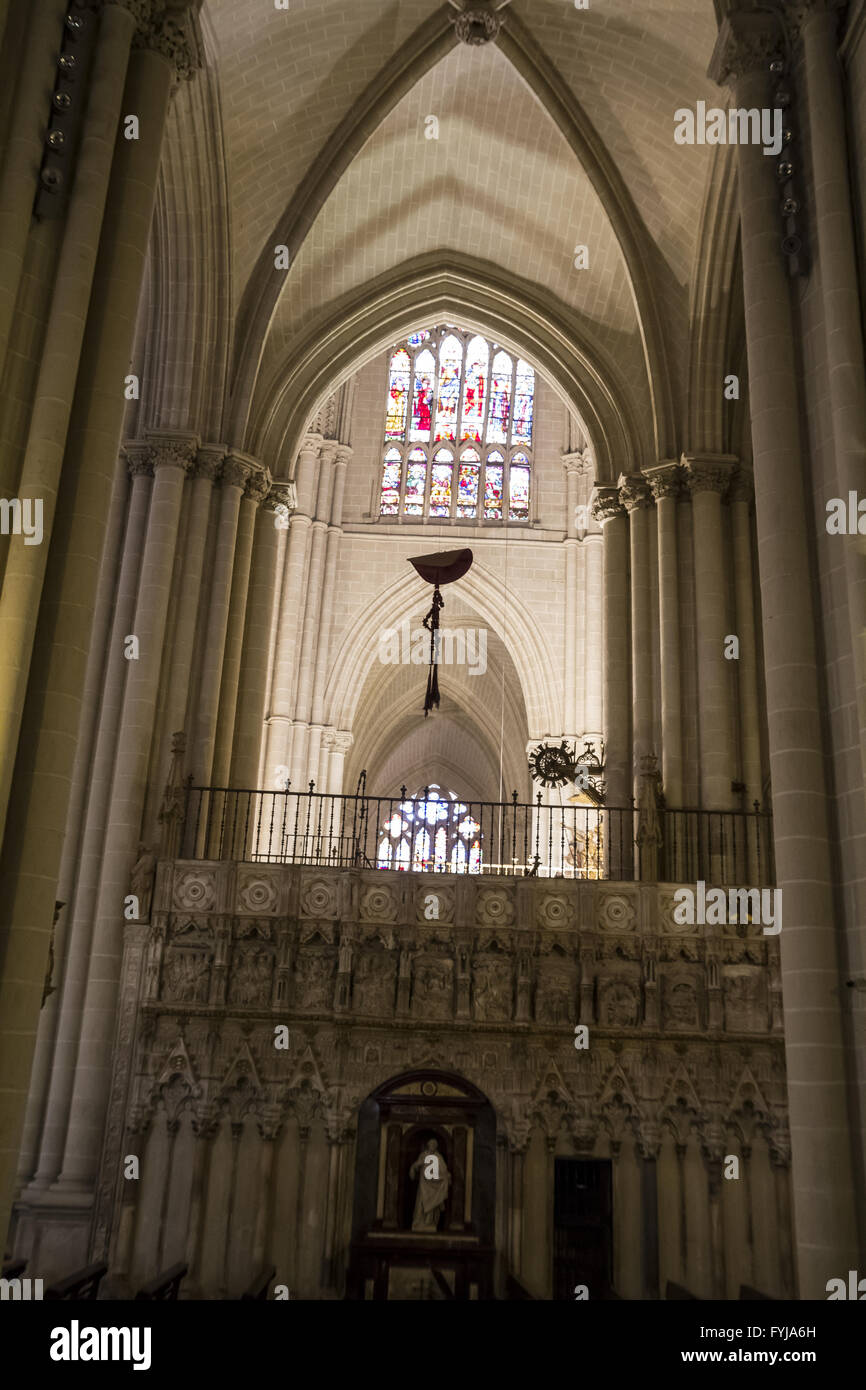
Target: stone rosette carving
(554,910)
(615,912)
(194,889)
(319,898)
(378,905)
(443,907)
(667,906)
(494,906)
(257,892)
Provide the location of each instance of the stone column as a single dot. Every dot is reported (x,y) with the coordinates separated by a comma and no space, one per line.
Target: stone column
(291,609)
(713,1150)
(707,480)
(636,497)
(302,754)
(187,600)
(172,457)
(332,557)
(236,471)
(840,308)
(31,855)
(342,742)
(249,722)
(573,606)
(255,490)
(611,516)
(82,906)
(592,656)
(749,709)
(58,374)
(648,1146)
(665,482)
(825,1208)
(780,1160)
(269,1127)
(205,1128)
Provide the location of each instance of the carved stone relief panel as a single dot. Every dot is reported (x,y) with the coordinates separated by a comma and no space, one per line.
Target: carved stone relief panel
(257,890)
(432,991)
(314,979)
(492,989)
(556,993)
(680,1002)
(745,994)
(374,982)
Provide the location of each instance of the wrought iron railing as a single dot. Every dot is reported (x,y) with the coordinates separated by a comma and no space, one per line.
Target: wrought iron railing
(432,834)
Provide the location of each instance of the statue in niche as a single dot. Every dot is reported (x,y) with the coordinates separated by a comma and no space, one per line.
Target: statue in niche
(433,1180)
(141,880)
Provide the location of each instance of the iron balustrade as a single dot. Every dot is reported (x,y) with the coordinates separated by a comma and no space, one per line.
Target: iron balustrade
(432,834)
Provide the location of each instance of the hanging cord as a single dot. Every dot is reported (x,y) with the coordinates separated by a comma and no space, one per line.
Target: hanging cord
(502,677)
(431,622)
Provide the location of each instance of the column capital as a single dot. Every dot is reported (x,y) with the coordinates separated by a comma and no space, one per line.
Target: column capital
(342,740)
(282,498)
(580,462)
(606,504)
(258,485)
(139,458)
(742,487)
(209,461)
(800,12)
(238,468)
(708,472)
(344,453)
(173,449)
(747,42)
(165,27)
(634,491)
(311,443)
(665,479)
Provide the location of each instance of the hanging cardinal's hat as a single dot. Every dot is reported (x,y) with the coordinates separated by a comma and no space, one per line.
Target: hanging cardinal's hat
(444,567)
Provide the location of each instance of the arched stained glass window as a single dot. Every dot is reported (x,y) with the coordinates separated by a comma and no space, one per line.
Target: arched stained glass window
(458,430)
(444,836)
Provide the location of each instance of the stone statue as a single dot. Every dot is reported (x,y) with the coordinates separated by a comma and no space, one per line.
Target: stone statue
(433,1181)
(141,880)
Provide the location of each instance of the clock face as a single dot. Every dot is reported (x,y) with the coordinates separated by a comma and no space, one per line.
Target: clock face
(552,766)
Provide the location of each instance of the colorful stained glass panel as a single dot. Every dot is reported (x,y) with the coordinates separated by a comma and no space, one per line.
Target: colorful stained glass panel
(500,399)
(450,362)
(398,395)
(474,389)
(467,484)
(422,397)
(440,484)
(524,395)
(390,500)
(416,482)
(519,501)
(493,491)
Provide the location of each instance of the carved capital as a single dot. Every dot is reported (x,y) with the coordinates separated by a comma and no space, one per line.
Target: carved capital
(283,498)
(799,13)
(708,474)
(477,25)
(748,41)
(343,741)
(742,487)
(579,463)
(209,461)
(344,453)
(311,443)
(258,486)
(665,480)
(634,492)
(606,504)
(238,469)
(139,458)
(165,27)
(173,450)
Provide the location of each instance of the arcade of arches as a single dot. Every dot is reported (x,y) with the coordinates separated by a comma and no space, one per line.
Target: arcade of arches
(375,282)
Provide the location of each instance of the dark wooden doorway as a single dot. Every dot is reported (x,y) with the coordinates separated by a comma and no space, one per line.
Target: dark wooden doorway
(582,1227)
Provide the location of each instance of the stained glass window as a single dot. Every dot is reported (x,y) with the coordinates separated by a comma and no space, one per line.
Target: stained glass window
(422,399)
(416,482)
(440,484)
(391,475)
(472,423)
(448,386)
(467,483)
(519,495)
(398,395)
(433,832)
(493,487)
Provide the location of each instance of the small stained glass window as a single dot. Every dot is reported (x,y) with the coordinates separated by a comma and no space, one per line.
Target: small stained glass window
(416,483)
(467,484)
(518,508)
(391,476)
(493,487)
(440,483)
(398,395)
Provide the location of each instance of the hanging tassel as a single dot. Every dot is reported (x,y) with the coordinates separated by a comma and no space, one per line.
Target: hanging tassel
(431,622)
